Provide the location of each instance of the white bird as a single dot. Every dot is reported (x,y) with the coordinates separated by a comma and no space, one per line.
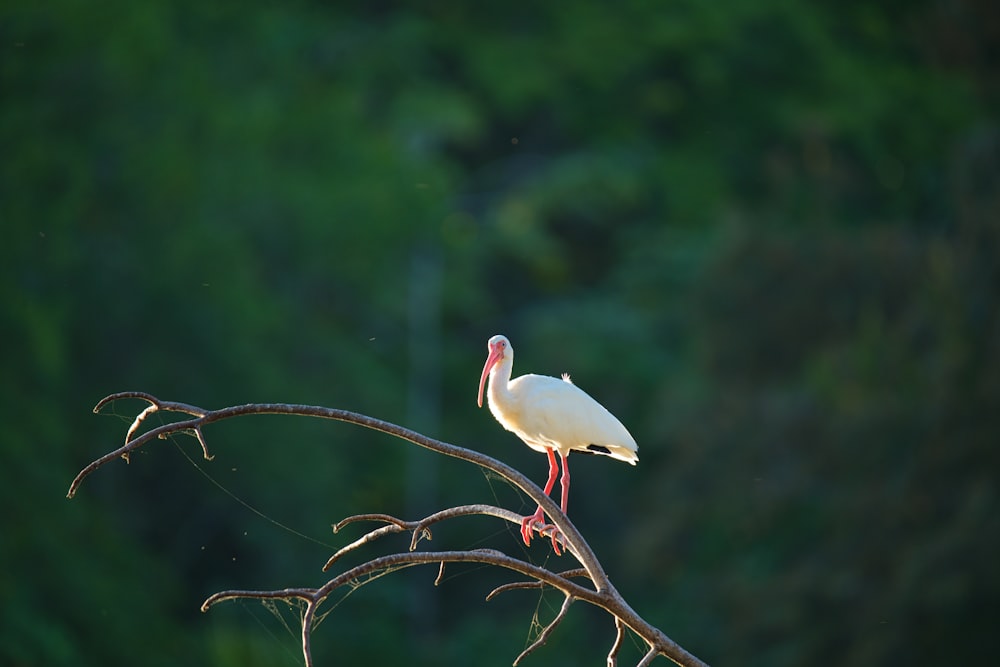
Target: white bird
(550,416)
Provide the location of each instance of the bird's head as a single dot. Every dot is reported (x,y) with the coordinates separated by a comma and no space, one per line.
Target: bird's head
(499,348)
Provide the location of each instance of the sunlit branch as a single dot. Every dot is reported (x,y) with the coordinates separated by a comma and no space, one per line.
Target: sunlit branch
(561,531)
(544,635)
(616,646)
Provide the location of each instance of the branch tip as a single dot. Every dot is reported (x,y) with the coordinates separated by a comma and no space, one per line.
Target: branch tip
(648,658)
(111,398)
(515,585)
(420,534)
(204,445)
(437,580)
(547,630)
(385,518)
(616,646)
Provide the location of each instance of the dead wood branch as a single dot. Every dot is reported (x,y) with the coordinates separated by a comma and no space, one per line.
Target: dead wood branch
(602,594)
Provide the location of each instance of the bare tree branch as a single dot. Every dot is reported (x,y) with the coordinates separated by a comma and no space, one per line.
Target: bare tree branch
(394,526)
(562,532)
(514,586)
(619,638)
(546,631)
(648,658)
(437,579)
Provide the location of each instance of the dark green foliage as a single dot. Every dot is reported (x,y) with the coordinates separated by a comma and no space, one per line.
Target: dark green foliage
(763,233)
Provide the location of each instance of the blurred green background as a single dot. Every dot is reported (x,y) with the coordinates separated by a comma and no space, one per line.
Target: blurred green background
(764,233)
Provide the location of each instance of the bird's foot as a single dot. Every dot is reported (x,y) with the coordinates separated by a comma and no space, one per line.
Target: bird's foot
(536,521)
(528,524)
(555,536)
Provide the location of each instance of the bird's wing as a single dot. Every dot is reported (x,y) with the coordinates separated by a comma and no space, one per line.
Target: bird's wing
(566,417)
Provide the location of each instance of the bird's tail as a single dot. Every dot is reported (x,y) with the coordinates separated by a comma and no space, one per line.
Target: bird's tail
(614,451)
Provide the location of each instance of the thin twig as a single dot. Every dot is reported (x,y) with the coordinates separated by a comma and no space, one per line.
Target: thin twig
(544,636)
(577,572)
(513,586)
(437,579)
(648,659)
(619,638)
(204,445)
(519,585)
(370,536)
(421,528)
(305,594)
(150,409)
(307,625)
(386,518)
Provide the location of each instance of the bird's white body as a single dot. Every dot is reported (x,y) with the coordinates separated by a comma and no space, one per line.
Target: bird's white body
(547,413)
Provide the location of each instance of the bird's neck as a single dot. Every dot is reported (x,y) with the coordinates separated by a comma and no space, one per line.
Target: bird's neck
(499,392)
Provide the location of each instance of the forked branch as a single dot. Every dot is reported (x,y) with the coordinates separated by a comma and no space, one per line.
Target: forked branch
(599,591)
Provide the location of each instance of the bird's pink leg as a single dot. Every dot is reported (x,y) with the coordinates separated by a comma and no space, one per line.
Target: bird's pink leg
(539,516)
(564,483)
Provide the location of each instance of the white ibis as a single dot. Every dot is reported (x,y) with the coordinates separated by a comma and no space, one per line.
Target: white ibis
(550,416)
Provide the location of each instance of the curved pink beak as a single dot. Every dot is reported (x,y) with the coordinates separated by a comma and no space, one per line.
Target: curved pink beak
(496,354)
